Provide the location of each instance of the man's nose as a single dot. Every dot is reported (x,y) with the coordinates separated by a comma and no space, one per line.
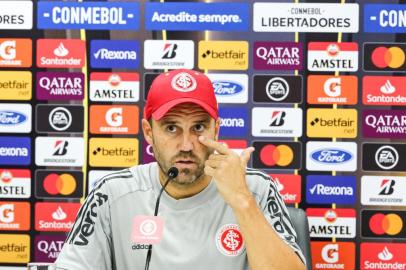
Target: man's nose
(187,142)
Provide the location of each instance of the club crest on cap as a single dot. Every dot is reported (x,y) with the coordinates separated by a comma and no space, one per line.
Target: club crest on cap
(183,82)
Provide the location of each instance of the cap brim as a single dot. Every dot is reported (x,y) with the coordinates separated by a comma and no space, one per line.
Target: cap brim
(161,111)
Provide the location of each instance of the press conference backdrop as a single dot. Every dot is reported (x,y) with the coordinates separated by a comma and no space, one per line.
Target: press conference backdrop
(318,88)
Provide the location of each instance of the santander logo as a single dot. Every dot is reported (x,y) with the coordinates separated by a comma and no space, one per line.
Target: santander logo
(59,214)
(61,51)
(385,255)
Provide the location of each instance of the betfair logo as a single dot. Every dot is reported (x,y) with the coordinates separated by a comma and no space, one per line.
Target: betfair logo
(328,123)
(113,152)
(15,248)
(223,55)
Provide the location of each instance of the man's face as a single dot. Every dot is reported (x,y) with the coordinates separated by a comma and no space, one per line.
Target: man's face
(174,139)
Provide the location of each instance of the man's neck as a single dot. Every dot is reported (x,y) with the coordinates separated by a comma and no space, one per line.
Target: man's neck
(177,191)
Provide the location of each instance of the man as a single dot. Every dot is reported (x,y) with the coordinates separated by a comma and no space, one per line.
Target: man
(216,213)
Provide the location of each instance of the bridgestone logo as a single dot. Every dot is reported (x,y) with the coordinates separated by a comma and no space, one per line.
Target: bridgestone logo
(13,151)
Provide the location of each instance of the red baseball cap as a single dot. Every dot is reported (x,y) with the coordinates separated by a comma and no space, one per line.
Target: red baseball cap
(180,86)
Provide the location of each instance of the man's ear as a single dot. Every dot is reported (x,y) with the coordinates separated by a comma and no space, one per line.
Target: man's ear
(147,130)
(217,129)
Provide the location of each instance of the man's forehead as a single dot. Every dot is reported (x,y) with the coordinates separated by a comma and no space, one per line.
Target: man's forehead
(186,109)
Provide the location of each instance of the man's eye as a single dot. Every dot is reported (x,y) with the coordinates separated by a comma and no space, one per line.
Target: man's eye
(199,127)
(171,128)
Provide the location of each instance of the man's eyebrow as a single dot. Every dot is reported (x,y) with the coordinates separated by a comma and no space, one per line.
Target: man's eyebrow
(169,122)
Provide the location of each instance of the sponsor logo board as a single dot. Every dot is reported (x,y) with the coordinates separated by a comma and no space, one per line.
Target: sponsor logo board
(114,87)
(15,118)
(114,119)
(55,216)
(59,151)
(15,85)
(327,89)
(289,186)
(197,16)
(328,189)
(236,145)
(58,184)
(331,156)
(113,152)
(60,85)
(383,256)
(230,88)
(96,15)
(327,222)
(332,56)
(333,255)
(233,122)
(15,183)
(147,153)
(276,122)
(169,54)
(223,55)
(15,52)
(14,216)
(54,118)
(61,53)
(114,54)
(277,155)
(384,90)
(384,124)
(278,89)
(385,57)
(383,224)
(384,18)
(15,150)
(278,55)
(383,190)
(15,247)
(48,247)
(383,157)
(16,15)
(306,17)
(327,123)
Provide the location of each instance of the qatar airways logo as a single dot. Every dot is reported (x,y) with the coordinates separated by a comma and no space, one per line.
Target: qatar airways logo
(384,123)
(278,55)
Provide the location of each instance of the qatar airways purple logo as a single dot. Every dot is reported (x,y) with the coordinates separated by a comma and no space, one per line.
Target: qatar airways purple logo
(60,86)
(278,55)
(48,247)
(384,124)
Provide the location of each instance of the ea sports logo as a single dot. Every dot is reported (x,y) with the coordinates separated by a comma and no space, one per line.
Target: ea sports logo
(60,119)
(392,57)
(183,82)
(277,89)
(386,157)
(229,240)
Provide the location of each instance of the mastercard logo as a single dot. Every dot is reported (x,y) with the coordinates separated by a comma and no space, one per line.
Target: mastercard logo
(391,224)
(281,155)
(63,184)
(384,57)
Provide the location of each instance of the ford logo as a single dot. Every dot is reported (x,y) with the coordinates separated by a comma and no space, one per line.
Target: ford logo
(11,118)
(331,156)
(227,88)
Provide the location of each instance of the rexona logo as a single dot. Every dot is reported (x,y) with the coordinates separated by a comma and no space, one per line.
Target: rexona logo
(305,17)
(383,157)
(15,183)
(15,248)
(197,16)
(15,150)
(327,123)
(16,15)
(325,222)
(169,54)
(384,18)
(55,216)
(333,255)
(15,52)
(276,122)
(331,156)
(223,55)
(289,186)
(96,15)
(384,124)
(114,87)
(383,256)
(327,89)
(114,54)
(230,88)
(383,190)
(383,90)
(61,53)
(113,152)
(48,247)
(114,119)
(14,216)
(233,122)
(332,56)
(15,85)
(278,88)
(278,55)
(330,189)
(388,57)
(383,224)
(58,184)
(59,151)
(67,118)
(60,85)
(277,155)
(15,118)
